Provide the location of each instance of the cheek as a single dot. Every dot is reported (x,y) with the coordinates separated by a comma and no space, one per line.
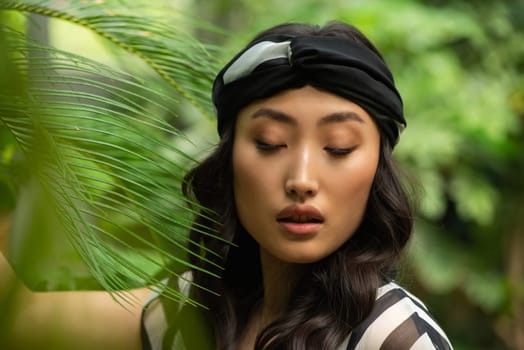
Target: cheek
(248,188)
(244,171)
(253,197)
(350,191)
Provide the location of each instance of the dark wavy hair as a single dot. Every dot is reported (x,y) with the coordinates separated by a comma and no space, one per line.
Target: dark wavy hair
(340,290)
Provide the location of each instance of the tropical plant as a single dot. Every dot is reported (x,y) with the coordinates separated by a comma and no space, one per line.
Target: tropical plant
(90,153)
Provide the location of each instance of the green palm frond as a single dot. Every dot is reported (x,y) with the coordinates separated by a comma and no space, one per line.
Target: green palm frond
(159,35)
(98,163)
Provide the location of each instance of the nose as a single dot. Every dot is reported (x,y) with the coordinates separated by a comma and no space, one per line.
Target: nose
(301,181)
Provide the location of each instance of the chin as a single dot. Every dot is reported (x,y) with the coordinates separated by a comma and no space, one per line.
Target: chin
(301,258)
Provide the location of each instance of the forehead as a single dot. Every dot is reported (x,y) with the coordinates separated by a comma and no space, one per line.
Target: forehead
(304,104)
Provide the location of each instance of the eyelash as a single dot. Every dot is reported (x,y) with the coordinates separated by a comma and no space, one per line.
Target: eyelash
(337,152)
(268,147)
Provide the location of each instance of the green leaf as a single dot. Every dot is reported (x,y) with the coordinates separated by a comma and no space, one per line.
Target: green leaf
(440,265)
(476,198)
(101,204)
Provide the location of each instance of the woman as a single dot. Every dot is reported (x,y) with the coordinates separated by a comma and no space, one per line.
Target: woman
(303,184)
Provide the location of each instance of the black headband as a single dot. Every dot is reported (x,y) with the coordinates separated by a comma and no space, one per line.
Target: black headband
(338,65)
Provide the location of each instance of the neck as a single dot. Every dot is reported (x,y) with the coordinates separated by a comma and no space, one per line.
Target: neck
(280,278)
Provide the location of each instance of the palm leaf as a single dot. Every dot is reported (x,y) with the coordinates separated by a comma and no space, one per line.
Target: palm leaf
(97,166)
(161,39)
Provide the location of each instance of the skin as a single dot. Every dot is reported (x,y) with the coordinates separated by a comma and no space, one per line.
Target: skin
(308,148)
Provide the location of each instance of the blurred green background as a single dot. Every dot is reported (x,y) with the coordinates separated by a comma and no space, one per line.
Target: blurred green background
(92,151)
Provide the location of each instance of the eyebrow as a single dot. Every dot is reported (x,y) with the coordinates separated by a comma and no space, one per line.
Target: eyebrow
(274,115)
(337,117)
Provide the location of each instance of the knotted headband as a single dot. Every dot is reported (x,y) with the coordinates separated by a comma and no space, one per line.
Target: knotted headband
(341,66)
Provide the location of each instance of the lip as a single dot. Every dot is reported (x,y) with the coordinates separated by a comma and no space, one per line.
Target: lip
(300,219)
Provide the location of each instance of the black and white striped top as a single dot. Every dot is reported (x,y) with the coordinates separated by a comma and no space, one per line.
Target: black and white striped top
(399,321)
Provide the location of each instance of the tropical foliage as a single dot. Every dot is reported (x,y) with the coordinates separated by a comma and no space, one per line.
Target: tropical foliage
(89,154)
(94,153)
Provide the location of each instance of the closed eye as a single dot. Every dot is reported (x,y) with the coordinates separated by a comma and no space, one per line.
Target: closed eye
(339,152)
(264,146)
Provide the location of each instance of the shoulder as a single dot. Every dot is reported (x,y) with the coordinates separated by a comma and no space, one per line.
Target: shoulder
(398,321)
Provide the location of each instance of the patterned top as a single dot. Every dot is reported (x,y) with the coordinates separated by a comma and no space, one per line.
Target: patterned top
(398,321)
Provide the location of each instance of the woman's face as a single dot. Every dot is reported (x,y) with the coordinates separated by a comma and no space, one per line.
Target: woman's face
(303,163)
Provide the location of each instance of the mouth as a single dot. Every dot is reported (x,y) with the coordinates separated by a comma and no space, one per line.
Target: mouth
(300,219)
